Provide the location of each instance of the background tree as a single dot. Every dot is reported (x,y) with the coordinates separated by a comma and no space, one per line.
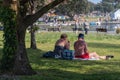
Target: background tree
(108,5)
(16,18)
(34,6)
(32,9)
(105,5)
(91,6)
(117,4)
(73,7)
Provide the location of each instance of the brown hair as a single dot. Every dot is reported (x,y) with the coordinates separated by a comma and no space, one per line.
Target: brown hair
(63,36)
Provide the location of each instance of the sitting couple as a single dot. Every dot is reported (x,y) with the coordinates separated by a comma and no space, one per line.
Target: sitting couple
(80,48)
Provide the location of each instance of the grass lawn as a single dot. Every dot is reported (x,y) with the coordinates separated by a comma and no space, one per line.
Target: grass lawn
(55,69)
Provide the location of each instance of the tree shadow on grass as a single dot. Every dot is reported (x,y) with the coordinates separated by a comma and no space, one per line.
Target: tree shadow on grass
(35,54)
(1,53)
(58,74)
(73,64)
(56,69)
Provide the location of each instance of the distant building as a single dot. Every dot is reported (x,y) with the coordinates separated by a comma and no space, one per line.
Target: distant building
(115,15)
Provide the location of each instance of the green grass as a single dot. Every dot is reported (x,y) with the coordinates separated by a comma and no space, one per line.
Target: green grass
(55,69)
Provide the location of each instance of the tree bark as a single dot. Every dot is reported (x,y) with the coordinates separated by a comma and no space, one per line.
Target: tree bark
(33,39)
(22,64)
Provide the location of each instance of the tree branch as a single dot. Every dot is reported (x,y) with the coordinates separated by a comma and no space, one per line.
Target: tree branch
(24,1)
(30,19)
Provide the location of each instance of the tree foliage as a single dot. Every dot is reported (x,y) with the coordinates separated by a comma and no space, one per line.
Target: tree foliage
(73,7)
(7,17)
(91,6)
(110,5)
(106,5)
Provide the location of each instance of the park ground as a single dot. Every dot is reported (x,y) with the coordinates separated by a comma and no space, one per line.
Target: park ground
(56,69)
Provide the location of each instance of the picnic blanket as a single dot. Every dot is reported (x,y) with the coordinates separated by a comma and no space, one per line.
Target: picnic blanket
(66,55)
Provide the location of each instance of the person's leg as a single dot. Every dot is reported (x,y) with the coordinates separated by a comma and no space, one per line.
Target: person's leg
(95,55)
(85,31)
(76,31)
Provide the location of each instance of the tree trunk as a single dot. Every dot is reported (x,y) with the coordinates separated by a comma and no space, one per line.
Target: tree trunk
(22,65)
(33,39)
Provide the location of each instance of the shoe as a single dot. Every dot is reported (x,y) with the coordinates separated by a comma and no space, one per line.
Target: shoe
(109,57)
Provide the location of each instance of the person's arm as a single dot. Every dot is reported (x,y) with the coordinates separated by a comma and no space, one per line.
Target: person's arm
(86,49)
(67,44)
(56,42)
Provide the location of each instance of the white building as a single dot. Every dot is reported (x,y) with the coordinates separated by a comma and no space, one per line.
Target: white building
(115,15)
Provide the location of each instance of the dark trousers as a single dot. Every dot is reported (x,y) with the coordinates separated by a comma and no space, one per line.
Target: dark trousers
(58,50)
(86,31)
